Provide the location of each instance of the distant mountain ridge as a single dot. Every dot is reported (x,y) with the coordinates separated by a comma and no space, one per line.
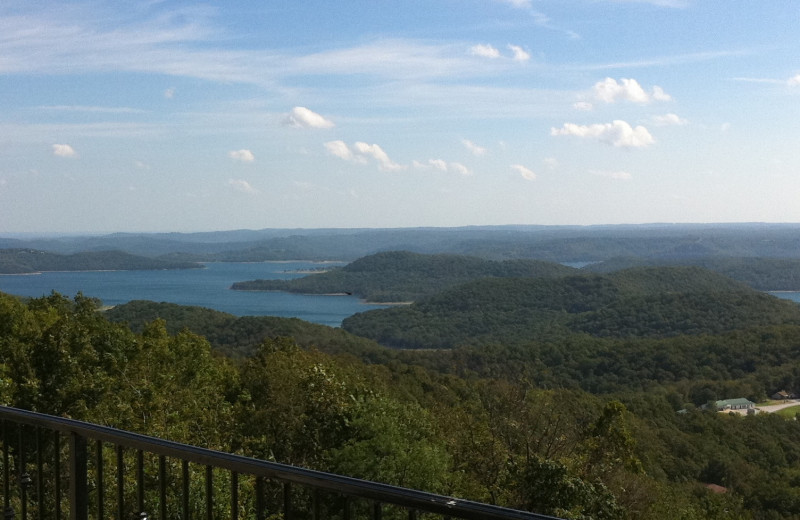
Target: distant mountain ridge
(553,243)
(18,261)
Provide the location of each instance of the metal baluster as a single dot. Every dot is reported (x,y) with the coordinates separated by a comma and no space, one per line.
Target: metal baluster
(140,483)
(234,495)
(162,487)
(287,501)
(120,483)
(346,512)
(24,478)
(317,500)
(57,472)
(78,488)
(260,508)
(412,514)
(39,479)
(209,493)
(99,469)
(6,473)
(377,511)
(185,497)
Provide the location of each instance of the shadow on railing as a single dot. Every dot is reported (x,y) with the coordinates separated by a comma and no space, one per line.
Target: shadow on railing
(58,461)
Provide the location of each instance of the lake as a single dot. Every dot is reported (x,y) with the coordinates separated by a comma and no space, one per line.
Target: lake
(209,287)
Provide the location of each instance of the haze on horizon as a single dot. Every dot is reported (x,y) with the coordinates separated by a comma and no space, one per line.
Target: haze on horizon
(187,116)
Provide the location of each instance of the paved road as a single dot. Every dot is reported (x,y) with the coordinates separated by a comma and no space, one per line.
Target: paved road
(775,407)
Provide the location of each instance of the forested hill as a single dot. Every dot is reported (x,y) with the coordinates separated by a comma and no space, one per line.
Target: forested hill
(238,336)
(14,261)
(641,302)
(764,274)
(400,276)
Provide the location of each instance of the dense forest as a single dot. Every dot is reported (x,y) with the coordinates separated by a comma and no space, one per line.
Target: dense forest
(580,393)
(401,276)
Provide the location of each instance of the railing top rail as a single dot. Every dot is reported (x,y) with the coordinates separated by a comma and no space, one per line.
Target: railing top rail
(384,493)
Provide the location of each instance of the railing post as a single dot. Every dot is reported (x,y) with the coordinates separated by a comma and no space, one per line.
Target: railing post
(78,488)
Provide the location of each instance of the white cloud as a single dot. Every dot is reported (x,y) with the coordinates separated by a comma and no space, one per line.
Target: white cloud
(438,164)
(361,152)
(616,175)
(583,105)
(242,155)
(669,120)
(377,153)
(660,95)
(520,54)
(169,93)
(617,133)
(474,148)
(443,166)
(794,81)
(460,168)
(551,162)
(301,117)
(242,186)
(519,4)
(611,91)
(526,173)
(64,150)
(484,51)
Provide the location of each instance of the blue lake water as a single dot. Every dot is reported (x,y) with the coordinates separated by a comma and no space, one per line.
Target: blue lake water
(209,287)
(787,295)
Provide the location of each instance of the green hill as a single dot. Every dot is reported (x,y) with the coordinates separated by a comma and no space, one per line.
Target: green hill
(237,336)
(17,261)
(401,276)
(764,274)
(642,302)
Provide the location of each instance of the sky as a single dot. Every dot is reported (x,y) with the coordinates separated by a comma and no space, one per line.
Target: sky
(168,115)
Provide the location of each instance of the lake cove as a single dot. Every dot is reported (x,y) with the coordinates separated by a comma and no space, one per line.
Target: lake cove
(209,287)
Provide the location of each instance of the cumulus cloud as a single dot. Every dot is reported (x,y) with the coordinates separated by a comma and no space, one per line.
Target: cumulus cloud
(339,149)
(474,148)
(519,54)
(64,150)
(583,105)
(526,173)
(377,153)
(617,133)
(361,153)
(443,166)
(794,81)
(460,169)
(616,175)
(242,186)
(484,51)
(611,91)
(242,155)
(301,117)
(669,120)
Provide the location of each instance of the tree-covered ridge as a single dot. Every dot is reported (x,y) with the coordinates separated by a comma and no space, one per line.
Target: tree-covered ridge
(237,336)
(401,276)
(17,261)
(641,302)
(764,274)
(476,423)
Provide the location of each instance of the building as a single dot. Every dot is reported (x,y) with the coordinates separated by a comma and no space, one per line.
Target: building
(734,404)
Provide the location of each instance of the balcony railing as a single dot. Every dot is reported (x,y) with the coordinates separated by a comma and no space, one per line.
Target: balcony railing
(52,465)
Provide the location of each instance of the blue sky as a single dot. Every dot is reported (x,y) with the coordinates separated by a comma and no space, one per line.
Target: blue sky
(190,116)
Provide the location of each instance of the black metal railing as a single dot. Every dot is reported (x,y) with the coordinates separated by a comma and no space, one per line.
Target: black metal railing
(156,478)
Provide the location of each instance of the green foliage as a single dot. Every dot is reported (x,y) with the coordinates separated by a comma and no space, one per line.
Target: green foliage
(401,276)
(644,302)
